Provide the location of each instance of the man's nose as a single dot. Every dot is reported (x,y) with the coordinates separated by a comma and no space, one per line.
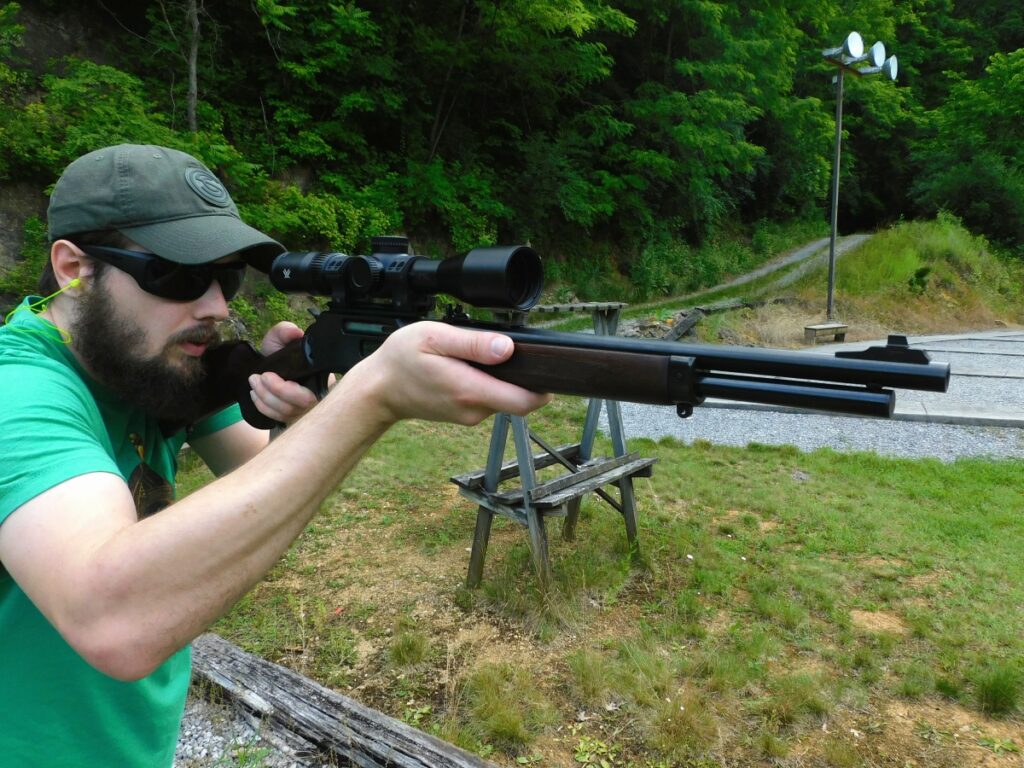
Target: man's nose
(212,304)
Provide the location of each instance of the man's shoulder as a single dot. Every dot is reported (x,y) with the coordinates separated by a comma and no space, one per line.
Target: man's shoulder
(35,369)
(23,356)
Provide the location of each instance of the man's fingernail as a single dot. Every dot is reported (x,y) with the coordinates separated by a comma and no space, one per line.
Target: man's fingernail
(500,345)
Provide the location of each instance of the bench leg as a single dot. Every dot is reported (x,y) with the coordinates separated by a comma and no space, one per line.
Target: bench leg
(484,517)
(572,516)
(629,514)
(539,546)
(840,337)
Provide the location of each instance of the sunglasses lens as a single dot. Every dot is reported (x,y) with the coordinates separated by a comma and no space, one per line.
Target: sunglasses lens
(230,277)
(187,283)
(174,281)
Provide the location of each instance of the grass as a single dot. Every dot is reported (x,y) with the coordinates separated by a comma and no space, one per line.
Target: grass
(915,277)
(778,590)
(999,689)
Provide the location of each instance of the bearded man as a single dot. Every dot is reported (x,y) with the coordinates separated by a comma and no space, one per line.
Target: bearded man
(104,577)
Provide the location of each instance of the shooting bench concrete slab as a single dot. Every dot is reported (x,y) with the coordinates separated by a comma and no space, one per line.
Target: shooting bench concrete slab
(528,501)
(836,331)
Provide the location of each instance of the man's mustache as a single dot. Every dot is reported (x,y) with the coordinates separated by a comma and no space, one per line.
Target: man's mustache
(201,334)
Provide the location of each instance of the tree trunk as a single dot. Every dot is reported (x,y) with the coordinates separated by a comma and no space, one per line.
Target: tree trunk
(193,59)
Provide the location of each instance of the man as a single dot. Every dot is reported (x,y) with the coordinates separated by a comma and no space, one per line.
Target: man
(105,579)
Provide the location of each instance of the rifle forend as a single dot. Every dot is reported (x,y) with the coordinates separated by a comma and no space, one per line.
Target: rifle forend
(372,296)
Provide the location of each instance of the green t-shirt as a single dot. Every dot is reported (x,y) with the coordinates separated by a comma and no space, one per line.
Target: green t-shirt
(57,423)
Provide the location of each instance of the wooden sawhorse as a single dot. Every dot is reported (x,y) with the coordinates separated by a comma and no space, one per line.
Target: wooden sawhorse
(530,502)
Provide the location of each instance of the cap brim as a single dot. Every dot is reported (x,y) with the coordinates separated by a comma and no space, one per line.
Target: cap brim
(202,239)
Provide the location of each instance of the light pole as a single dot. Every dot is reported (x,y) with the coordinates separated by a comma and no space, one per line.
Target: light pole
(845,57)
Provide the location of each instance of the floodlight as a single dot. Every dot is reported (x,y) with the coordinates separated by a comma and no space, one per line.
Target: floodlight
(890,68)
(876,54)
(852,48)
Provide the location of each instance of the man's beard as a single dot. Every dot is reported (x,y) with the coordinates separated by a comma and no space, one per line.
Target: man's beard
(106,342)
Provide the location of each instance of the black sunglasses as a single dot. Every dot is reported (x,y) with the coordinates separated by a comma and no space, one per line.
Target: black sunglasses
(168,279)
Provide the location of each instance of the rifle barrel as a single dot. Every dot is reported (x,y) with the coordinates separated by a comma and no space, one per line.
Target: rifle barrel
(807,366)
(661,373)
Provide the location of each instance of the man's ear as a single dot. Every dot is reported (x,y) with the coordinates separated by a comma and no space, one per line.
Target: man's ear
(70,266)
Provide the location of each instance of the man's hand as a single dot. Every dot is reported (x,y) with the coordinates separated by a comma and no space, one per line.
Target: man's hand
(420,373)
(275,397)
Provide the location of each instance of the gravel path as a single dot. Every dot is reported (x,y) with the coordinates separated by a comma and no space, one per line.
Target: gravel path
(988,370)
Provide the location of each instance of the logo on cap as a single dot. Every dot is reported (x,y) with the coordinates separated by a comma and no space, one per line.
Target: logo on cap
(208,187)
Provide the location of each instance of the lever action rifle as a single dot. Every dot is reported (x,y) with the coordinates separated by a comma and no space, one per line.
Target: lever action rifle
(372,296)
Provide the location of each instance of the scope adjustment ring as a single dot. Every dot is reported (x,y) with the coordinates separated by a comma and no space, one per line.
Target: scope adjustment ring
(389,244)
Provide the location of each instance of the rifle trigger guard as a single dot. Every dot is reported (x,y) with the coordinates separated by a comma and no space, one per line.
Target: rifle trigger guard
(681,381)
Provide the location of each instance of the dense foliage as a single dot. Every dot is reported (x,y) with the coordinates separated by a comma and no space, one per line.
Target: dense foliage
(626,125)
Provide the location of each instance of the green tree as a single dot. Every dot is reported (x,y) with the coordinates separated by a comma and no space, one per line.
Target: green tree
(971,158)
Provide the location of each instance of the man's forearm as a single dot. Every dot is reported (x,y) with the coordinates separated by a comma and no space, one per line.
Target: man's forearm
(156,584)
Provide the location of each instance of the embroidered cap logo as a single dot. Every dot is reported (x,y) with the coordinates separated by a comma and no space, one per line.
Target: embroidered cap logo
(208,187)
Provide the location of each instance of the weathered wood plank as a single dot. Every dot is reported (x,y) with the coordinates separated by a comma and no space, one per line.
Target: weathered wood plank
(594,467)
(339,727)
(583,306)
(633,469)
(583,472)
(510,469)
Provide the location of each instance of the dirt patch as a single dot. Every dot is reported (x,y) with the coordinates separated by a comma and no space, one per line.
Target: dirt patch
(738,517)
(879,622)
(925,580)
(880,563)
(967,737)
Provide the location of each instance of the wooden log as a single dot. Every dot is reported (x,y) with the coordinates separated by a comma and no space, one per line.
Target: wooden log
(685,322)
(297,710)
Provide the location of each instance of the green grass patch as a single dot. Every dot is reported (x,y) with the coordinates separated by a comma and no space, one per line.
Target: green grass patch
(932,275)
(998,689)
(506,706)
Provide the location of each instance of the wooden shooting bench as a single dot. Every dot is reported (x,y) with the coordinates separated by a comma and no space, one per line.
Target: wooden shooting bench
(836,330)
(528,501)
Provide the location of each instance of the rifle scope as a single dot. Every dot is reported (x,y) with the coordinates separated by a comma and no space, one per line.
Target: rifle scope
(501,277)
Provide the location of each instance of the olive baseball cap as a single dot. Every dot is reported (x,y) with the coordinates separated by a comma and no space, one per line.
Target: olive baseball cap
(165,200)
